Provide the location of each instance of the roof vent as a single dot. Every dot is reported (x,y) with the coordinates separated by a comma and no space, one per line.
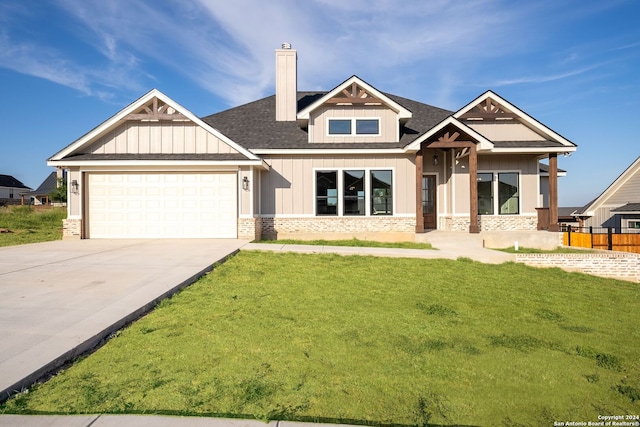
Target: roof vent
(286,45)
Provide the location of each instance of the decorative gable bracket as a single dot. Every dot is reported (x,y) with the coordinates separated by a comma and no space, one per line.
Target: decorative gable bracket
(157,111)
(488,110)
(355,95)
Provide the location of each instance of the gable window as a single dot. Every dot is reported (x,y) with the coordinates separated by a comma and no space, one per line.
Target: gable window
(354,126)
(506,186)
(353,193)
(367,126)
(339,127)
(344,192)
(327,193)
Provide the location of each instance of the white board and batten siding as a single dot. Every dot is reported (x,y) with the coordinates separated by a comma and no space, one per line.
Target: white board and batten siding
(162,205)
(158,137)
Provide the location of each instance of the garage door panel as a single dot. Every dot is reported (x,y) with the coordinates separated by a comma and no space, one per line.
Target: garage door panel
(162,205)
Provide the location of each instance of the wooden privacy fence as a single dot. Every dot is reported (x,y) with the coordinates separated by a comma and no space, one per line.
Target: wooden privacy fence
(604,240)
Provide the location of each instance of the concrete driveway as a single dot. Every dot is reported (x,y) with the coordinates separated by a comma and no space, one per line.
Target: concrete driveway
(59,299)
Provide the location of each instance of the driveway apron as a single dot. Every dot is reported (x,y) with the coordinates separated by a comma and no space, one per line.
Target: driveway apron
(59,299)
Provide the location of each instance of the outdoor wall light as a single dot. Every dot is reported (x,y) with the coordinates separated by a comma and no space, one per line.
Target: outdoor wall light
(435,159)
(245,183)
(74,186)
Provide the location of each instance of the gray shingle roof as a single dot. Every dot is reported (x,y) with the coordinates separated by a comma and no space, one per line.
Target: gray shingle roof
(545,169)
(48,185)
(9,181)
(253,125)
(566,212)
(629,207)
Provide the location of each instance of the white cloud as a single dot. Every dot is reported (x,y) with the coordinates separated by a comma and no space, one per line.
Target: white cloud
(421,49)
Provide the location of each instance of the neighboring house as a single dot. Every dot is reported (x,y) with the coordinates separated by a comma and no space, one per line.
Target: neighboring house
(11,190)
(544,183)
(618,206)
(566,218)
(42,194)
(350,162)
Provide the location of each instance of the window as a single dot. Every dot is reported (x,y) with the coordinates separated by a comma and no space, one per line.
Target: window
(367,127)
(507,188)
(635,224)
(344,192)
(381,194)
(326,193)
(353,192)
(485,193)
(508,193)
(339,127)
(349,126)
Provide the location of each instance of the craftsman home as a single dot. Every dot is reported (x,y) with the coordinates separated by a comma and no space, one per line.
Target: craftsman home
(618,206)
(350,162)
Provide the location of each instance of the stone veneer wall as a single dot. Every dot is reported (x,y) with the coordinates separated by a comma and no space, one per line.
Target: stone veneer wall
(71,229)
(271,227)
(491,223)
(618,265)
(249,228)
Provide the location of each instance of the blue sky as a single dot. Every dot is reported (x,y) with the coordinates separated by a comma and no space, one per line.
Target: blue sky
(68,65)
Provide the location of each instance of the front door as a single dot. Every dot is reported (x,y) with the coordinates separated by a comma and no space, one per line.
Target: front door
(429,210)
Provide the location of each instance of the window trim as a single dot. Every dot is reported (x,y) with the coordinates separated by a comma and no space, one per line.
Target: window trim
(350,121)
(367,190)
(498,191)
(633,220)
(354,127)
(496,195)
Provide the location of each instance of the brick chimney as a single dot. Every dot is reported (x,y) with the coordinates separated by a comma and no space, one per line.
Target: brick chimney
(286,84)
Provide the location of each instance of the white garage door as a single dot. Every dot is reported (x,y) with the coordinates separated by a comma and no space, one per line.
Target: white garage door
(162,205)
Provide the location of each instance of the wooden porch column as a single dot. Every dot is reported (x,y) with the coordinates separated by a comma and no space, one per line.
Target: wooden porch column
(553,192)
(473,190)
(419,213)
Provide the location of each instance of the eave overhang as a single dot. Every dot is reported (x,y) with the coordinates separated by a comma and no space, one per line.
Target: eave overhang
(337,151)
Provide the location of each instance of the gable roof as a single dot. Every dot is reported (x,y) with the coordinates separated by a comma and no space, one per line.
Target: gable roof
(9,181)
(629,208)
(483,143)
(544,171)
(72,151)
(253,125)
(49,184)
(553,140)
(355,81)
(589,208)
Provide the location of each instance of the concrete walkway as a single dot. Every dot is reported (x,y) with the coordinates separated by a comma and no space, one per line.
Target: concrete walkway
(448,245)
(59,299)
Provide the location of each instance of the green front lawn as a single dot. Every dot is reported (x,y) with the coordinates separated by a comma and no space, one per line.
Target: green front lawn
(29,225)
(369,340)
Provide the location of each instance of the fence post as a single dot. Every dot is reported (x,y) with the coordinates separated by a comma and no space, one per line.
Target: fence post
(591,235)
(569,236)
(609,238)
